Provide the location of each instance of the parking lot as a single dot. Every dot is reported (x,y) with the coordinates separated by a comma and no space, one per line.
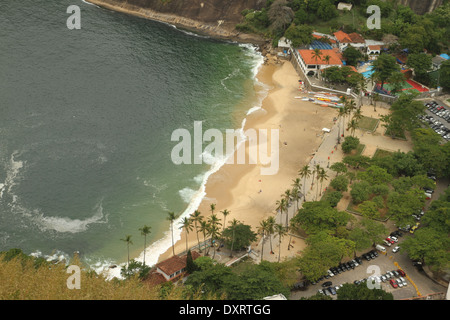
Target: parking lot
(438,118)
(417,282)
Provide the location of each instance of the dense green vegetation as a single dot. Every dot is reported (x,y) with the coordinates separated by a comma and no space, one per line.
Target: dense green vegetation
(400,28)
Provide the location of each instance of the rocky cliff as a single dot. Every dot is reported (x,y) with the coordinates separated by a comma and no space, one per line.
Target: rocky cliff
(212,17)
(422,6)
(217,18)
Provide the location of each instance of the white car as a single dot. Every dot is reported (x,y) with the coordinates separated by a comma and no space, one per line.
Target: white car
(393,238)
(395,249)
(402,280)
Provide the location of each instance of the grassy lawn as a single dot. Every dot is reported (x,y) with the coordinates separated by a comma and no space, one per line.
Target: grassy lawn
(359,149)
(368,124)
(401,137)
(380,153)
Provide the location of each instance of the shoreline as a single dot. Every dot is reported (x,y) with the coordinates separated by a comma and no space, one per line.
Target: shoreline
(240,188)
(236,187)
(215,31)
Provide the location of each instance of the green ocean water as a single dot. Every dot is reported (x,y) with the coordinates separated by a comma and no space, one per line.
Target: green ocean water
(86,118)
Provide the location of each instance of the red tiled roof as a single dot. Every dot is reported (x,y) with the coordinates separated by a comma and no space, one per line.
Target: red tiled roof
(175,263)
(348,38)
(356,38)
(374,47)
(320,37)
(308,57)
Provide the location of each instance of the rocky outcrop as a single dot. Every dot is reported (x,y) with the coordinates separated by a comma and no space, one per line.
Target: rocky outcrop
(422,6)
(216,18)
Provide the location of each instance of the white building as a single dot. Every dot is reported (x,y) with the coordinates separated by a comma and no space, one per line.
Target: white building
(312,64)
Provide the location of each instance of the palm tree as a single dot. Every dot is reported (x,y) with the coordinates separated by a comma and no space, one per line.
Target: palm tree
(316,55)
(233,224)
(270,230)
(327,59)
(281,232)
(357,115)
(127,239)
(225,213)
(145,230)
(213,230)
(171,218)
(204,229)
(186,224)
(295,197)
(322,176)
(296,183)
(262,230)
(297,186)
(197,218)
(375,98)
(304,173)
(351,106)
(352,125)
(212,207)
(341,115)
(317,170)
(281,205)
(292,228)
(288,197)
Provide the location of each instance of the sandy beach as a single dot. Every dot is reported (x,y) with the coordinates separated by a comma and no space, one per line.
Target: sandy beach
(240,188)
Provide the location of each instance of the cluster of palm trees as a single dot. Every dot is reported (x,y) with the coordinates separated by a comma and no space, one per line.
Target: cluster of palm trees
(268,228)
(353,113)
(145,231)
(210,228)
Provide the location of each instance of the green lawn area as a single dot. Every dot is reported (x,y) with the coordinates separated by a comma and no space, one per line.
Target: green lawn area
(368,124)
(360,149)
(380,153)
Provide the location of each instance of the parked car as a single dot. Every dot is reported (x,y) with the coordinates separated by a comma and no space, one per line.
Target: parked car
(403,281)
(387,243)
(327,284)
(395,249)
(401,272)
(395,272)
(332,290)
(413,229)
(393,283)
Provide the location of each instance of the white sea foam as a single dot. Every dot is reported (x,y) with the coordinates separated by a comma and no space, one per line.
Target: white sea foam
(64,224)
(90,3)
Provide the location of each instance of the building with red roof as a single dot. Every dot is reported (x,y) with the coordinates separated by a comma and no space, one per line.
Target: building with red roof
(170,269)
(353,39)
(311,64)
